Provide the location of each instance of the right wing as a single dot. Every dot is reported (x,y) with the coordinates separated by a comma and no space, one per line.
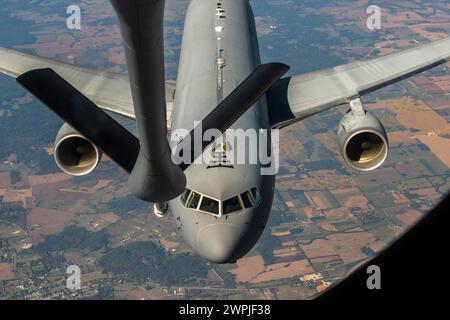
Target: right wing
(299,97)
(107,90)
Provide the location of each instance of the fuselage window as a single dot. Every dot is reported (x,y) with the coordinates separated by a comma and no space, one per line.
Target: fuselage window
(231,205)
(209,205)
(185,196)
(193,201)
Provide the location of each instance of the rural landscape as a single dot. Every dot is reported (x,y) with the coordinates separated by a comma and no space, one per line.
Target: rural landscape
(326,218)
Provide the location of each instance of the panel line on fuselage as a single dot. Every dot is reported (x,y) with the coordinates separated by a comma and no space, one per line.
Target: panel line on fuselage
(220,59)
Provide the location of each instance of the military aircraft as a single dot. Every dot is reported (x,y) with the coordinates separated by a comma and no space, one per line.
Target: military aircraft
(221,209)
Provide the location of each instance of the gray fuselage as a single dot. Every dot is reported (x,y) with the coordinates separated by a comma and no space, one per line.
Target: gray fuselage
(219,50)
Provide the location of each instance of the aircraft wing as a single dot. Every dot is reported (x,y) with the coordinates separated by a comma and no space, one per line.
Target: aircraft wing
(108,90)
(298,97)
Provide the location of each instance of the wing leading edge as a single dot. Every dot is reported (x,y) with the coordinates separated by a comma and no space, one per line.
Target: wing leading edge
(107,90)
(298,97)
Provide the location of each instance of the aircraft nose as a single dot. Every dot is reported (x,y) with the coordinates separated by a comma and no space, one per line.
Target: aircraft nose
(218,243)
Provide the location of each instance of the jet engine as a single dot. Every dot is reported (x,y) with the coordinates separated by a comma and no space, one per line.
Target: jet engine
(74,154)
(362,139)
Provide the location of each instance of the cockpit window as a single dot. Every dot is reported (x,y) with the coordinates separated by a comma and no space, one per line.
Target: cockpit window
(247,199)
(201,202)
(193,201)
(231,205)
(256,196)
(185,196)
(209,205)
(251,198)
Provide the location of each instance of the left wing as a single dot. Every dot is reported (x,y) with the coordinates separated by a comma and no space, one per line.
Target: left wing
(296,98)
(108,90)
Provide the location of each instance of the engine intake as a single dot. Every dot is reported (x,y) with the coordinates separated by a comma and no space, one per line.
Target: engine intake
(362,139)
(74,154)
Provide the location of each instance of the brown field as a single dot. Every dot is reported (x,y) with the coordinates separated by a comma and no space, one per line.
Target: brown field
(347,245)
(284,271)
(5,179)
(342,194)
(49,178)
(356,229)
(340,213)
(291,292)
(290,204)
(328,139)
(417,114)
(318,199)
(385,47)
(333,259)
(309,212)
(328,227)
(356,202)
(320,180)
(45,222)
(385,50)
(14,195)
(75,257)
(134,292)
(427,193)
(399,198)
(66,196)
(377,246)
(377,105)
(443,82)
(294,148)
(351,198)
(319,248)
(98,221)
(401,17)
(92,276)
(285,252)
(248,268)
(6,272)
(421,183)
(116,55)
(168,245)
(439,146)
(439,105)
(410,217)
(52,192)
(99,185)
(432,36)
(398,137)
(289,243)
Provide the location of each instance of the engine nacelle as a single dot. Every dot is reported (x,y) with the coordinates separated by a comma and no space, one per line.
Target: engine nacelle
(74,154)
(362,139)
